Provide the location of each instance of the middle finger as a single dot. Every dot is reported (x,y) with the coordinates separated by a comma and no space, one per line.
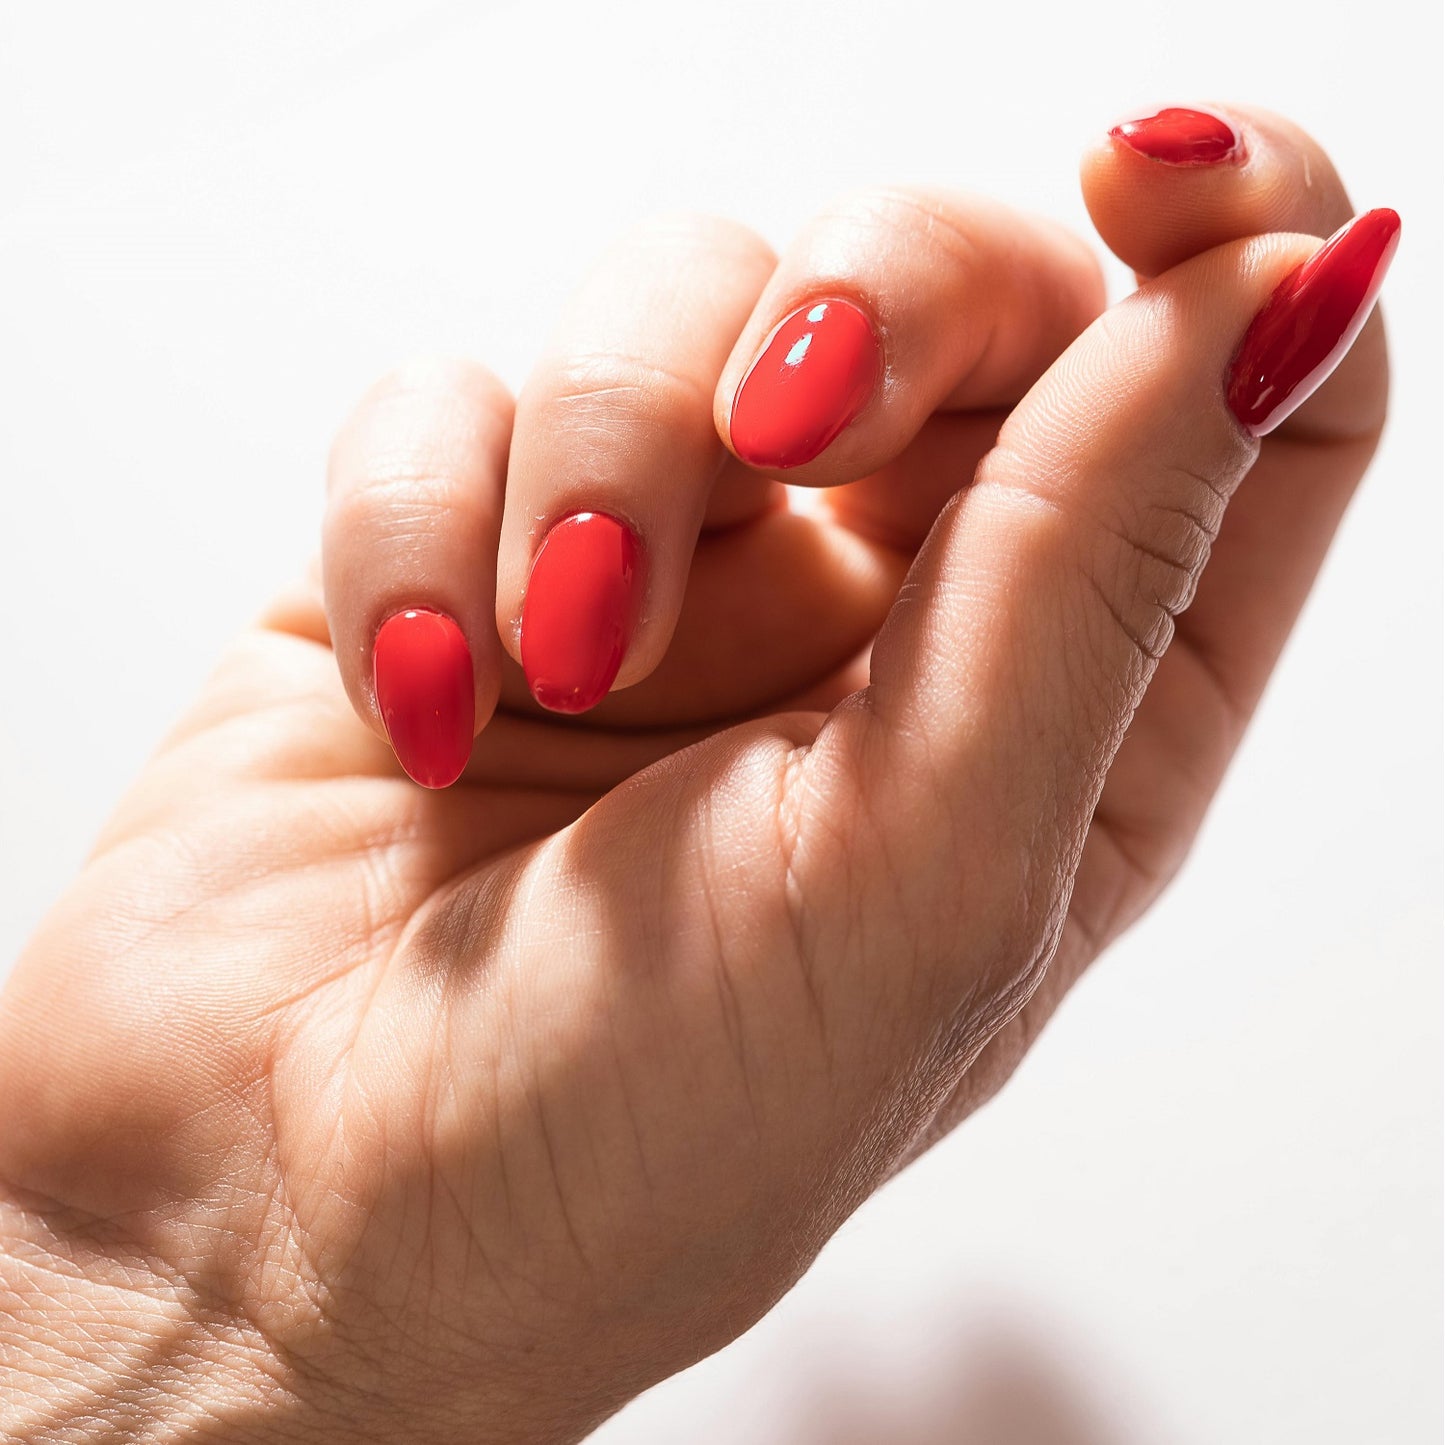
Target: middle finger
(614,455)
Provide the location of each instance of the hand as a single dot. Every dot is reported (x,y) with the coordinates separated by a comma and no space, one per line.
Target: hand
(341,1105)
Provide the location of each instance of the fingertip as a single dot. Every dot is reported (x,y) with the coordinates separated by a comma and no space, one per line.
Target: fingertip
(1164,184)
(1181,136)
(812,377)
(1310,322)
(1169,182)
(424,684)
(583,599)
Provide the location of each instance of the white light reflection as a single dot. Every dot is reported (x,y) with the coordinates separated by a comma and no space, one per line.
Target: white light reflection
(799,349)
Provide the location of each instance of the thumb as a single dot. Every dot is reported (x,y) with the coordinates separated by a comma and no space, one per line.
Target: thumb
(1033,619)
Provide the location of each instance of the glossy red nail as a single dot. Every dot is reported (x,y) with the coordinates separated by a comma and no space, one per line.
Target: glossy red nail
(582,603)
(1181,137)
(1310,321)
(422,670)
(813,377)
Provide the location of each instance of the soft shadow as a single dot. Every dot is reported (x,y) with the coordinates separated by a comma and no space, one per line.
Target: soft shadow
(1010,1387)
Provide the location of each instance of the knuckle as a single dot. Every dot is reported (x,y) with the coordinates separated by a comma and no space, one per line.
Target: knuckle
(398,495)
(603,387)
(1009,936)
(1145,559)
(971,941)
(688,233)
(933,219)
(425,417)
(1145,562)
(1138,550)
(435,382)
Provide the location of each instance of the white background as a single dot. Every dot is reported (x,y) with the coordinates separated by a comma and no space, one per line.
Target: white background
(1207,1209)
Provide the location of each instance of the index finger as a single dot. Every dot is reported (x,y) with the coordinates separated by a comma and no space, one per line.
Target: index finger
(892,304)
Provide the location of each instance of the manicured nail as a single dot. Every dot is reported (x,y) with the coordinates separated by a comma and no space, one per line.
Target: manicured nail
(582,602)
(422,670)
(1310,321)
(1181,137)
(813,377)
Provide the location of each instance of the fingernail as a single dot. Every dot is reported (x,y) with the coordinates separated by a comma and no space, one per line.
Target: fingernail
(813,377)
(582,602)
(1181,137)
(1310,321)
(422,671)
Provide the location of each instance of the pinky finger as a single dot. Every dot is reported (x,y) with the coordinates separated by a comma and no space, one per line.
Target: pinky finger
(410,557)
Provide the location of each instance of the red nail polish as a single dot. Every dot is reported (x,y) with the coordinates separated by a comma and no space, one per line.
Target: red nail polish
(582,602)
(422,670)
(1310,320)
(814,376)
(1181,137)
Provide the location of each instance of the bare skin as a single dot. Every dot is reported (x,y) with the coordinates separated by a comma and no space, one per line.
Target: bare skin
(338,1106)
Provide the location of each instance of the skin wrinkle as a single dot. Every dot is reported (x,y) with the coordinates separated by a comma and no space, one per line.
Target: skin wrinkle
(423,406)
(203,731)
(1151,642)
(558,1192)
(963,250)
(790,815)
(292,1241)
(1150,648)
(597,379)
(619,1059)
(1126,903)
(175,1347)
(731,1005)
(1183,564)
(473,1243)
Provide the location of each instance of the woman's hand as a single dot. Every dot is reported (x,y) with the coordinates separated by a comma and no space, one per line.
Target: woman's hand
(337,1104)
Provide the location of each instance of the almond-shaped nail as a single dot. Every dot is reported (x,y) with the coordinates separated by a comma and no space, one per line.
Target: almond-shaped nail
(816,373)
(1178,136)
(422,671)
(582,602)
(1310,321)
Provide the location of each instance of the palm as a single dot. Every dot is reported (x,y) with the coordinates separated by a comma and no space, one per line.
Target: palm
(367,1034)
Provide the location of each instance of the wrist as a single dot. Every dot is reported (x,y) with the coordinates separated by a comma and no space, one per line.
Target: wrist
(99,1342)
(96,1339)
